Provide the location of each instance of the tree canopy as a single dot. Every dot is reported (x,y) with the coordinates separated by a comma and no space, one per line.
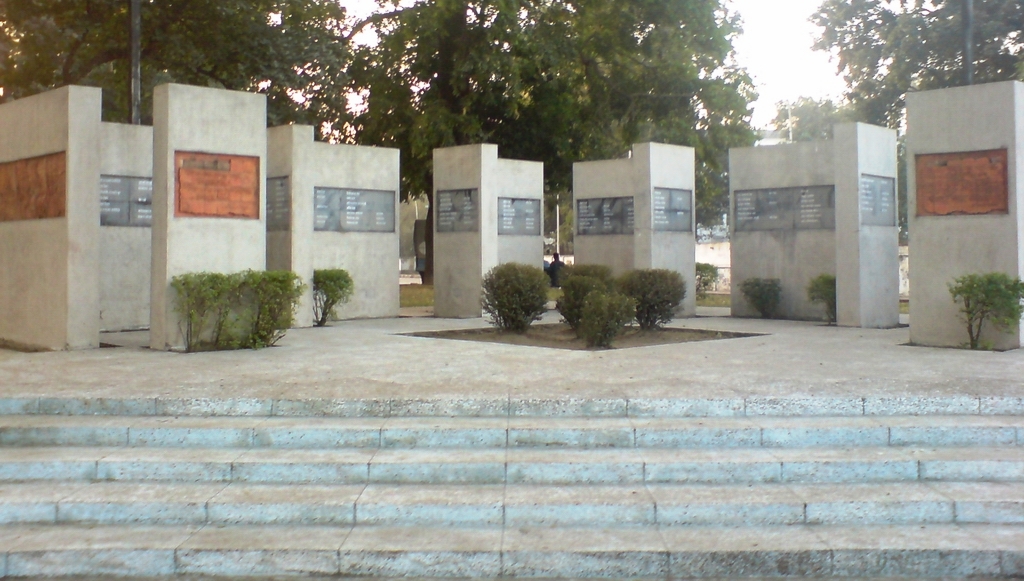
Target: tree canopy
(292,50)
(888,47)
(811,119)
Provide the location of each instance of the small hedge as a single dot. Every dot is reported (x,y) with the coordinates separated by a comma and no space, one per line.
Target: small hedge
(707,276)
(604,317)
(515,295)
(575,290)
(244,310)
(763,294)
(331,288)
(994,297)
(822,289)
(657,293)
(598,271)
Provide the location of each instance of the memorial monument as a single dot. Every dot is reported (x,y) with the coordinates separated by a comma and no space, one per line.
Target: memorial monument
(963,202)
(49,226)
(637,212)
(487,211)
(334,206)
(126,219)
(828,207)
(209,171)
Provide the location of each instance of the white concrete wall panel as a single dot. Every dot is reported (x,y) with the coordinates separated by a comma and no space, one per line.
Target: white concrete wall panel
(963,119)
(204,120)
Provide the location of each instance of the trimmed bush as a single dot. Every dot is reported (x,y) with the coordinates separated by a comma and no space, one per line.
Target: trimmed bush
(515,295)
(994,297)
(822,289)
(707,276)
(574,291)
(763,294)
(250,309)
(657,293)
(598,271)
(331,287)
(604,317)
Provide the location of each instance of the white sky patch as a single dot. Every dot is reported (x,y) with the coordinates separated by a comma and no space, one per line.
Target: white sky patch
(775,48)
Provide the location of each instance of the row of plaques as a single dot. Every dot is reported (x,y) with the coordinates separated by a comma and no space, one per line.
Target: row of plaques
(126,201)
(334,209)
(671,211)
(807,208)
(458,211)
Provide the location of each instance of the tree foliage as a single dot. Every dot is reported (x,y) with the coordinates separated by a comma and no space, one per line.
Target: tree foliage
(811,119)
(292,50)
(886,48)
(552,81)
(993,296)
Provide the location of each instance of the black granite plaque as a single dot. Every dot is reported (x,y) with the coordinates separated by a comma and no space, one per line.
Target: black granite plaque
(458,211)
(350,210)
(518,217)
(126,201)
(877,200)
(279,204)
(809,208)
(604,216)
(671,210)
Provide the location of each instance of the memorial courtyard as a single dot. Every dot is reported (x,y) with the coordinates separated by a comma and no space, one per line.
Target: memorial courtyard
(357,450)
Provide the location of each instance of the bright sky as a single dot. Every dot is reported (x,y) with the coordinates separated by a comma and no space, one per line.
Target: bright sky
(775,48)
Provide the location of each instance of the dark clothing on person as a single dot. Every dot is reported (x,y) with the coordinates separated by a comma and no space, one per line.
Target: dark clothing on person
(553,270)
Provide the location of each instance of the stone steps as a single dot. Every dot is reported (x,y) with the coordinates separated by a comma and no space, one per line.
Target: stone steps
(898,404)
(513,466)
(494,433)
(639,552)
(108,503)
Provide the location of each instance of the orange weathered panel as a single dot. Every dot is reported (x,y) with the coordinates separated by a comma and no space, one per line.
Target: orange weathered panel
(216,186)
(34,188)
(973,182)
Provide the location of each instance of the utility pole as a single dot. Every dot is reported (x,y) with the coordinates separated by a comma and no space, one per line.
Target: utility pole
(969,41)
(135,15)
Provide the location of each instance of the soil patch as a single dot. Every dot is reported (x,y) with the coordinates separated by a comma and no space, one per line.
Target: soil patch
(560,336)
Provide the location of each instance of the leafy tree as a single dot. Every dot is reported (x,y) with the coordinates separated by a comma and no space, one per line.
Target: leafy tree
(811,119)
(887,48)
(993,296)
(292,50)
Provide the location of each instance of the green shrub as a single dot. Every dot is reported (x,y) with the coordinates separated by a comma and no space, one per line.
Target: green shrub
(598,271)
(574,291)
(763,294)
(657,293)
(822,289)
(707,276)
(250,309)
(994,296)
(331,287)
(604,317)
(515,295)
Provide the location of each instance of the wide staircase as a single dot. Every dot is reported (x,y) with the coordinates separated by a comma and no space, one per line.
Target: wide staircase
(573,489)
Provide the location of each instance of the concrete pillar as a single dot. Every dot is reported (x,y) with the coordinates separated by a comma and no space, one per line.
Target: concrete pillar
(487,211)
(964,201)
(49,226)
(126,218)
(867,231)
(638,213)
(209,176)
(334,206)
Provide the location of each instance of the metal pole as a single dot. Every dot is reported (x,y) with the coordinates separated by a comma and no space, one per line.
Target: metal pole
(136,57)
(558,227)
(969,41)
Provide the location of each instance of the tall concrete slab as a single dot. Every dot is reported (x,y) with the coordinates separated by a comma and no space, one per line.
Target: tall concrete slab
(801,210)
(964,201)
(637,212)
(49,230)
(867,230)
(487,211)
(334,206)
(209,176)
(126,218)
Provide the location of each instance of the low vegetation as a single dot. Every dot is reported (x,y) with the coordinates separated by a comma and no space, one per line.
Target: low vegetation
(515,295)
(707,276)
(763,294)
(331,288)
(657,293)
(822,289)
(604,317)
(994,297)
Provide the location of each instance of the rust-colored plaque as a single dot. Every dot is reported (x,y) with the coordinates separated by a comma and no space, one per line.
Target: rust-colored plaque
(973,182)
(34,188)
(216,186)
